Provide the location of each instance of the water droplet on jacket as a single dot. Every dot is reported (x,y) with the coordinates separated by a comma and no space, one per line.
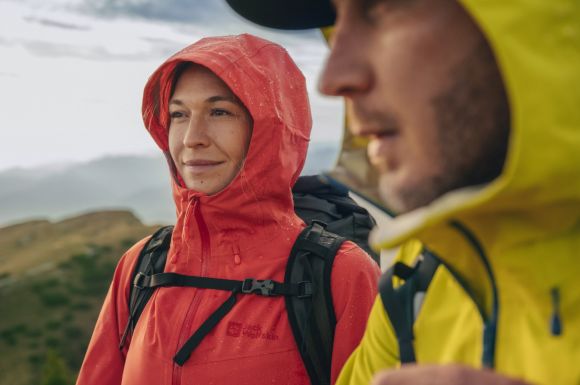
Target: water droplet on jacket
(237,259)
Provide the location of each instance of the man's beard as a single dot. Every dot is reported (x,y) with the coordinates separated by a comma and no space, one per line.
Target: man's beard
(473,125)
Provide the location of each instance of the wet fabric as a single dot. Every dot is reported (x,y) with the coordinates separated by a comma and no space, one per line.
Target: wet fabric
(245,230)
(510,247)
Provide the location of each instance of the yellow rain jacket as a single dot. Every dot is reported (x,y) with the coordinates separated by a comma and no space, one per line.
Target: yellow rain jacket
(511,249)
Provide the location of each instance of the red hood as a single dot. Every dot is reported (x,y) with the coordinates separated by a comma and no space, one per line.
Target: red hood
(267,81)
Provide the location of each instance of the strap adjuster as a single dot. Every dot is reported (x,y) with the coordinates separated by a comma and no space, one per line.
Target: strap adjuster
(319,222)
(304,289)
(138,282)
(256,286)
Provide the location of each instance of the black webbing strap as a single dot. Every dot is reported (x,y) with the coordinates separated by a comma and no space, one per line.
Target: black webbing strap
(266,288)
(426,270)
(185,352)
(313,320)
(151,259)
(399,302)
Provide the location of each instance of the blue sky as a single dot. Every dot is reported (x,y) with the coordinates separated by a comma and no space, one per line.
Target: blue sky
(72,72)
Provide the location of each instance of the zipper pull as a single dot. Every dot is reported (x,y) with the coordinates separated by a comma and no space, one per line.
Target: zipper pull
(556,319)
(185,230)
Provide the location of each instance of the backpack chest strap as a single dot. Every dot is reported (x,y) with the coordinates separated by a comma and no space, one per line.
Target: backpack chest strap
(266,288)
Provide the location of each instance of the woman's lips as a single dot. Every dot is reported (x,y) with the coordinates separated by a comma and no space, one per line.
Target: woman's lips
(199,166)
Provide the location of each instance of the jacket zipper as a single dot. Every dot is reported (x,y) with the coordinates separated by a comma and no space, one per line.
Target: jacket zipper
(186,326)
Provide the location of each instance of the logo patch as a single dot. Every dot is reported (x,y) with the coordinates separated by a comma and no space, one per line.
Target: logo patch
(253,331)
(234,329)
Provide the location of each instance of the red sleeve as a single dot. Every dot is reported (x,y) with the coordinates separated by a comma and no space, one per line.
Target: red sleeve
(104,362)
(354,283)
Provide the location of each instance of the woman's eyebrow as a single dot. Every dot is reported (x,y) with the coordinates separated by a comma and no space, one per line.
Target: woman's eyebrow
(211,99)
(176,101)
(222,98)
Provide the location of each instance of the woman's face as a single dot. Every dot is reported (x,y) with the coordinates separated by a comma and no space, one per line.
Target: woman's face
(210,130)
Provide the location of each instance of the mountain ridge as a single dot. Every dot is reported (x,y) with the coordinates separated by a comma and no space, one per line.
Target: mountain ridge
(139,183)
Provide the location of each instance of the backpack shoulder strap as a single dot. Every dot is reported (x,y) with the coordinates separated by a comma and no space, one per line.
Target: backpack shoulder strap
(312,319)
(403,302)
(151,260)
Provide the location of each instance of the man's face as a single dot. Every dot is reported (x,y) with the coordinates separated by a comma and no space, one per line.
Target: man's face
(422,84)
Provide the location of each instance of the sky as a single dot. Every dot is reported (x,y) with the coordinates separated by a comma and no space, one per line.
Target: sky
(72,73)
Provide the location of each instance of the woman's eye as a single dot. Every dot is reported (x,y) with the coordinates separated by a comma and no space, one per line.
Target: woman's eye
(220,112)
(176,114)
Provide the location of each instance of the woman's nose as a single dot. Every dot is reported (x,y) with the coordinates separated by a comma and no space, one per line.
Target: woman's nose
(347,70)
(196,134)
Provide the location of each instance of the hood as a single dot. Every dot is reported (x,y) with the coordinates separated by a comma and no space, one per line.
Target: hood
(537,47)
(266,80)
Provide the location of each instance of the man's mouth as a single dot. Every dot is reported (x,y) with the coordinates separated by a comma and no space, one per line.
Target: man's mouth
(382,149)
(385,134)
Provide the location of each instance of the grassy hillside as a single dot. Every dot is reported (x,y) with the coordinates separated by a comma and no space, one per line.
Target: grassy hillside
(53,278)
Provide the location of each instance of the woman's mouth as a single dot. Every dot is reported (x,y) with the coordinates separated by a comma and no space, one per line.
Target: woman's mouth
(198,166)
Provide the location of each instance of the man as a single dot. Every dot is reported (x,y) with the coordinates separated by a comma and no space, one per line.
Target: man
(470,110)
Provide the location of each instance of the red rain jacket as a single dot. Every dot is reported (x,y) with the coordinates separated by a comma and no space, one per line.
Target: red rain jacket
(246,230)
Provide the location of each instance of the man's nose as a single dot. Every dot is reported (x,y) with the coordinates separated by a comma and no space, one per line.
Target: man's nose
(196,134)
(347,71)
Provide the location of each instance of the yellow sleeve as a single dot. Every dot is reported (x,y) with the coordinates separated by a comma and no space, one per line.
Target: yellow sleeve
(377,350)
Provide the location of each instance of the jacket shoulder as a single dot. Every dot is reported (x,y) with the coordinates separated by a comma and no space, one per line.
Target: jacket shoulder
(354,274)
(350,255)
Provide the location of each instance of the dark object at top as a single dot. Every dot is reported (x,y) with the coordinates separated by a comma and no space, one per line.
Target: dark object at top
(286,14)
(317,200)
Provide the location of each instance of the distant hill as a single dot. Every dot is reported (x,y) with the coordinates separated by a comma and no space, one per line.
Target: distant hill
(53,279)
(137,183)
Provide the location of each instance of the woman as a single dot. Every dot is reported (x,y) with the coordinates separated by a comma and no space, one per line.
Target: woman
(232,116)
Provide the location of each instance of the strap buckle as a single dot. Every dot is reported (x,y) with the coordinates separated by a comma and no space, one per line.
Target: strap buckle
(304,289)
(256,286)
(319,223)
(139,280)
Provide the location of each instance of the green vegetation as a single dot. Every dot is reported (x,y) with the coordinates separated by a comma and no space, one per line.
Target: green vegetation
(48,317)
(55,371)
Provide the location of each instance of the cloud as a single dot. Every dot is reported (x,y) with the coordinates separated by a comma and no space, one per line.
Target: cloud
(93,53)
(163,48)
(6,42)
(9,75)
(182,11)
(56,24)
(87,61)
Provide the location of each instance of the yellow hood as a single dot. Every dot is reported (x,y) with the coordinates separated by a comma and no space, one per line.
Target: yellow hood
(537,46)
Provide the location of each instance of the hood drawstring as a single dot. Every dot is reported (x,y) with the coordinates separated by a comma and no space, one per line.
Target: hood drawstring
(556,319)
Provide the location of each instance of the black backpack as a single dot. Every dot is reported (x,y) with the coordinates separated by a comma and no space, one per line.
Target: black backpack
(331,217)
(402,303)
